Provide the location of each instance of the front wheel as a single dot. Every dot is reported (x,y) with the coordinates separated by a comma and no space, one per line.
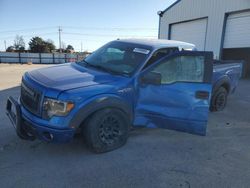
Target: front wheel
(219,100)
(106,130)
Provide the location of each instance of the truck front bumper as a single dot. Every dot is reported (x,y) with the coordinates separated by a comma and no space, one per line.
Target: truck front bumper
(28,130)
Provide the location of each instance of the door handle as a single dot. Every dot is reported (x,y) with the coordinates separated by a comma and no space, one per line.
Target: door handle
(202,95)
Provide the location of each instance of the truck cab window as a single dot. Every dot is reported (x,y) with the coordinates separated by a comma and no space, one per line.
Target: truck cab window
(160,54)
(181,69)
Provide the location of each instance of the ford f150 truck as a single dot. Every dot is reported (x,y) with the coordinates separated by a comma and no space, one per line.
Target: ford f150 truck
(151,83)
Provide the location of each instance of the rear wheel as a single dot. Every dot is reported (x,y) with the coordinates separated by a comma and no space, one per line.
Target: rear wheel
(219,100)
(106,130)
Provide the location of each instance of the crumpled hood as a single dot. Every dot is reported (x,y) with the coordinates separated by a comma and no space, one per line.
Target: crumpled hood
(70,76)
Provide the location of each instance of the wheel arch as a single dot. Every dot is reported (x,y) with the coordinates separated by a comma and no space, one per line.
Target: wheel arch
(99,104)
(223,82)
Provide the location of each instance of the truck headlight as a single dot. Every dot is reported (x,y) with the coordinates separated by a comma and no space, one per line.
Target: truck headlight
(52,107)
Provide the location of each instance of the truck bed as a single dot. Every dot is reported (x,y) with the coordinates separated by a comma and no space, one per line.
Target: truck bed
(226,71)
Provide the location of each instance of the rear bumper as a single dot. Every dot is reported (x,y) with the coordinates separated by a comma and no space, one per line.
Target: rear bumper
(28,130)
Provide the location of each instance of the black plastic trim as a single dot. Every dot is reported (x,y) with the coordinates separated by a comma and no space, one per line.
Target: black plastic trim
(98,104)
(222,81)
(204,95)
(16,119)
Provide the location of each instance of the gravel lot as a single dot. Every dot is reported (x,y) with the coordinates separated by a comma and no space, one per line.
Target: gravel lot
(151,158)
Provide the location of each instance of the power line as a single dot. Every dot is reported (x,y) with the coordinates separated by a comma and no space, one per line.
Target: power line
(78,27)
(21,30)
(31,35)
(109,28)
(106,35)
(88,35)
(83,39)
(77,33)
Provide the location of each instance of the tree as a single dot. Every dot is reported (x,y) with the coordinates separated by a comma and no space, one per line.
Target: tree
(69,49)
(49,45)
(10,49)
(38,45)
(19,44)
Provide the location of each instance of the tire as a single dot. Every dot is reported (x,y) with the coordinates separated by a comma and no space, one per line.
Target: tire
(106,130)
(219,100)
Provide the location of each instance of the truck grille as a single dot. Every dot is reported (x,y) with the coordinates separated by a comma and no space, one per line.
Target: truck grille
(30,98)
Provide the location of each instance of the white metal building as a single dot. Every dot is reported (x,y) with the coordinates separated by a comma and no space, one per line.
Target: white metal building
(221,26)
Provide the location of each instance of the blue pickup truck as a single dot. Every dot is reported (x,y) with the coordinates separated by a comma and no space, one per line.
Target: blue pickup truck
(150,83)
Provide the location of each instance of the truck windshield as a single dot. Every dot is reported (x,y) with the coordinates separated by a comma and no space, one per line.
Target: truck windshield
(117,57)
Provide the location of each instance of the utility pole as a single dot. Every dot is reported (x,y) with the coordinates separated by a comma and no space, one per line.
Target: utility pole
(59,32)
(81,46)
(5,44)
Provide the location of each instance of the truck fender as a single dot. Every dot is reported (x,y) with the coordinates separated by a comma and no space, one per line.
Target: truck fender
(224,81)
(98,104)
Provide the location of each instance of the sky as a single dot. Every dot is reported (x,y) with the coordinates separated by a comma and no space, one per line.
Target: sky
(86,25)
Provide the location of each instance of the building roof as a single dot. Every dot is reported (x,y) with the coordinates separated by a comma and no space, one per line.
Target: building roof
(161,43)
(177,1)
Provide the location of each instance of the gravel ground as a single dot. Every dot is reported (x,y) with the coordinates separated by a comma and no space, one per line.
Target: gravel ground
(151,158)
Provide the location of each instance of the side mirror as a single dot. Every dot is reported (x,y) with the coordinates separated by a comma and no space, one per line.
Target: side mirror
(153,78)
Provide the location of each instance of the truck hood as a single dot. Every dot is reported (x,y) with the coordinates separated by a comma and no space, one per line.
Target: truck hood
(70,76)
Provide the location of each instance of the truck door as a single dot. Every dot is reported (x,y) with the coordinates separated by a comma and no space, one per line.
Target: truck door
(174,93)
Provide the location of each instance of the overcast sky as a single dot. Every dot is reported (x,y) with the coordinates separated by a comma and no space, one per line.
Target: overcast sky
(91,23)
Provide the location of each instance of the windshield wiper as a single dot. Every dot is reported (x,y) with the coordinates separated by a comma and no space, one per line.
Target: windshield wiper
(86,63)
(99,67)
(107,70)
(82,63)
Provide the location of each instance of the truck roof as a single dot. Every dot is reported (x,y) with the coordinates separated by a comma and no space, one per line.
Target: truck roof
(161,43)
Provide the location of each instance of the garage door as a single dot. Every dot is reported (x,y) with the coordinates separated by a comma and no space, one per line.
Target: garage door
(192,32)
(237,33)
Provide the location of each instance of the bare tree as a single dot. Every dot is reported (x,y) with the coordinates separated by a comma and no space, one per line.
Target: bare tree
(19,43)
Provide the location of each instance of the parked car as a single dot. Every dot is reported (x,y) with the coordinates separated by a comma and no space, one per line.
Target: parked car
(151,83)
